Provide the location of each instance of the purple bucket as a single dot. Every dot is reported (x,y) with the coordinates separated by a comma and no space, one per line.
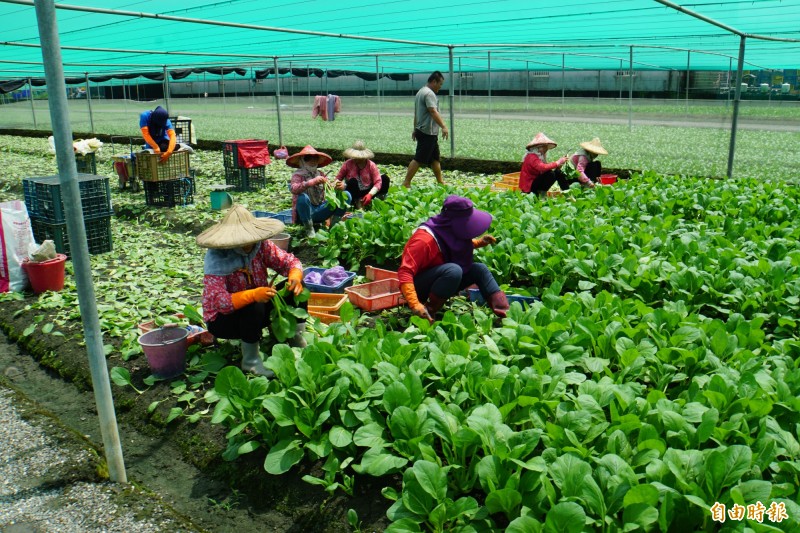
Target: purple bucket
(165,349)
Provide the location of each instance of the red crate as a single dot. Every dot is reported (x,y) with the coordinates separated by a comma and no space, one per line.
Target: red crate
(376,295)
(378,274)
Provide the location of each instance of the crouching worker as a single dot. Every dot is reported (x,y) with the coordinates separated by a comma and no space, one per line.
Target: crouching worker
(158,132)
(237,295)
(437,260)
(308,190)
(361,176)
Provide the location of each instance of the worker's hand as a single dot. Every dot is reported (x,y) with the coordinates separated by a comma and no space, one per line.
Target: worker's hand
(294,283)
(445,132)
(244,298)
(422,312)
(264,294)
(165,156)
(339,185)
(561,161)
(365,201)
(319,180)
(414,135)
(486,240)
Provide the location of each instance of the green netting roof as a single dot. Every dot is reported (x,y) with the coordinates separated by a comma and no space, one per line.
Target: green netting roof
(577,33)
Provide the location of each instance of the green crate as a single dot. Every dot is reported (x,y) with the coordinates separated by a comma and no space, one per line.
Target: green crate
(43,197)
(86,164)
(98,234)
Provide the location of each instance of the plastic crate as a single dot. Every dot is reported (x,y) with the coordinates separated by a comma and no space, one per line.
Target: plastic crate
(246,179)
(511,179)
(325,318)
(376,295)
(503,186)
(230,151)
(98,234)
(183,129)
(86,164)
(476,296)
(43,197)
(170,193)
(378,274)
(284,216)
(313,287)
(324,302)
(150,168)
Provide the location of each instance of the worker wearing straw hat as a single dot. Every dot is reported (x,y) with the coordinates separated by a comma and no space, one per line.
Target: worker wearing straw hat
(361,176)
(537,175)
(585,161)
(237,291)
(308,189)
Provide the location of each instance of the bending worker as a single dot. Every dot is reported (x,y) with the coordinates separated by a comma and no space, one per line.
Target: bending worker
(158,132)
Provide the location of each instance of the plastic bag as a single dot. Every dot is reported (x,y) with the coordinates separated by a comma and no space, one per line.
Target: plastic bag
(16,235)
(81,146)
(334,276)
(314,278)
(39,253)
(281,153)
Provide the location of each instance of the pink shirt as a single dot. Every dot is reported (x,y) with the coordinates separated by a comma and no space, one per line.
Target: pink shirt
(368,177)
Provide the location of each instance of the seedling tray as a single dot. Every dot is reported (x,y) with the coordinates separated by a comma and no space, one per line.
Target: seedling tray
(376,295)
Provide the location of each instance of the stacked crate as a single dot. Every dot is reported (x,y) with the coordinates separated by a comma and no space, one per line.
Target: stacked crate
(243,179)
(86,164)
(166,184)
(183,129)
(48,217)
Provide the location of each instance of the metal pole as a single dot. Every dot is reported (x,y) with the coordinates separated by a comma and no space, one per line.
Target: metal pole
(598,85)
(489,81)
(728,95)
(688,75)
(222,82)
(527,85)
(452,102)
(33,112)
(460,87)
(630,90)
(378,86)
(70,194)
(278,99)
(736,98)
(89,102)
(253,87)
(562,83)
(620,83)
(308,83)
(166,89)
(291,84)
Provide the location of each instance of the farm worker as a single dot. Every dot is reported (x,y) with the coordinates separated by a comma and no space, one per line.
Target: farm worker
(537,175)
(427,122)
(308,189)
(585,161)
(437,260)
(361,176)
(158,132)
(236,286)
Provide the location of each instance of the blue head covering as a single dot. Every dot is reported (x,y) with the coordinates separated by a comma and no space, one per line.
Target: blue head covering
(157,122)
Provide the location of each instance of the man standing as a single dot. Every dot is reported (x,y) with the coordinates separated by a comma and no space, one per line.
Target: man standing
(427,122)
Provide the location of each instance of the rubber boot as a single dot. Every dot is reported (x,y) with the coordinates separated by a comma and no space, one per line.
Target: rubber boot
(309,226)
(298,341)
(435,304)
(499,303)
(251,361)
(335,220)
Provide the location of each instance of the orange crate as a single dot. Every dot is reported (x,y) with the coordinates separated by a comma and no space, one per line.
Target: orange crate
(378,274)
(376,295)
(503,186)
(511,179)
(325,318)
(323,302)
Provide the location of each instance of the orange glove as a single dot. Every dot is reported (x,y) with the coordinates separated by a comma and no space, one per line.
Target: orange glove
(295,281)
(486,240)
(259,294)
(410,294)
(171,147)
(149,140)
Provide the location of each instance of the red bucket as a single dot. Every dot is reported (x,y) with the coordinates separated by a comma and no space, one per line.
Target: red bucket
(47,275)
(608,179)
(165,349)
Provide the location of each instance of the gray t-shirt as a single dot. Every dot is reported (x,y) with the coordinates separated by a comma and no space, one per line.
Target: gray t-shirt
(424,121)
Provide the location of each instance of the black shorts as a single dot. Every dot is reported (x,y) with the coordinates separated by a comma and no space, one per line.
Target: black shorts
(427,148)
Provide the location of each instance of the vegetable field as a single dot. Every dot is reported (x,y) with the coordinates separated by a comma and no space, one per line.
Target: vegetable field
(655,386)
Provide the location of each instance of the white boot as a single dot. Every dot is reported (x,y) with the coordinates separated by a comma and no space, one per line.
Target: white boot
(309,226)
(251,361)
(298,341)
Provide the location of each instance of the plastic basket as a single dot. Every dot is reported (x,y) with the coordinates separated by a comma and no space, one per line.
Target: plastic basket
(183,129)
(511,179)
(150,168)
(325,318)
(608,179)
(246,179)
(476,296)
(313,287)
(503,186)
(375,295)
(284,216)
(86,164)
(98,234)
(43,197)
(378,274)
(324,302)
(169,193)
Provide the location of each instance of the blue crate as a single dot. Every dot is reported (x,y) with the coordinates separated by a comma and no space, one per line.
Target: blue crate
(325,288)
(284,216)
(476,296)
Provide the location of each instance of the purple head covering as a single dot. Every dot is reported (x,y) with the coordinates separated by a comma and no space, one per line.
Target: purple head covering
(455,227)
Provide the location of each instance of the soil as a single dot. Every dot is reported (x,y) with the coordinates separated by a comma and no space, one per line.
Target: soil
(180,461)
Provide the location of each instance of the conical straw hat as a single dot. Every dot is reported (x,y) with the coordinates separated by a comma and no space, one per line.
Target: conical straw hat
(358,151)
(541,138)
(239,228)
(594,146)
(294,159)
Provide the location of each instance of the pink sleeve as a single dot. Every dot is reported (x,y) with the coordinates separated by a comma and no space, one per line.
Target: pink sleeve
(580,162)
(279,260)
(344,170)
(298,185)
(375,175)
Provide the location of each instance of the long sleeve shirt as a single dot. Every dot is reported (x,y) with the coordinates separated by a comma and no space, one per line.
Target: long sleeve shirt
(580,161)
(301,183)
(368,177)
(421,253)
(217,290)
(532,168)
